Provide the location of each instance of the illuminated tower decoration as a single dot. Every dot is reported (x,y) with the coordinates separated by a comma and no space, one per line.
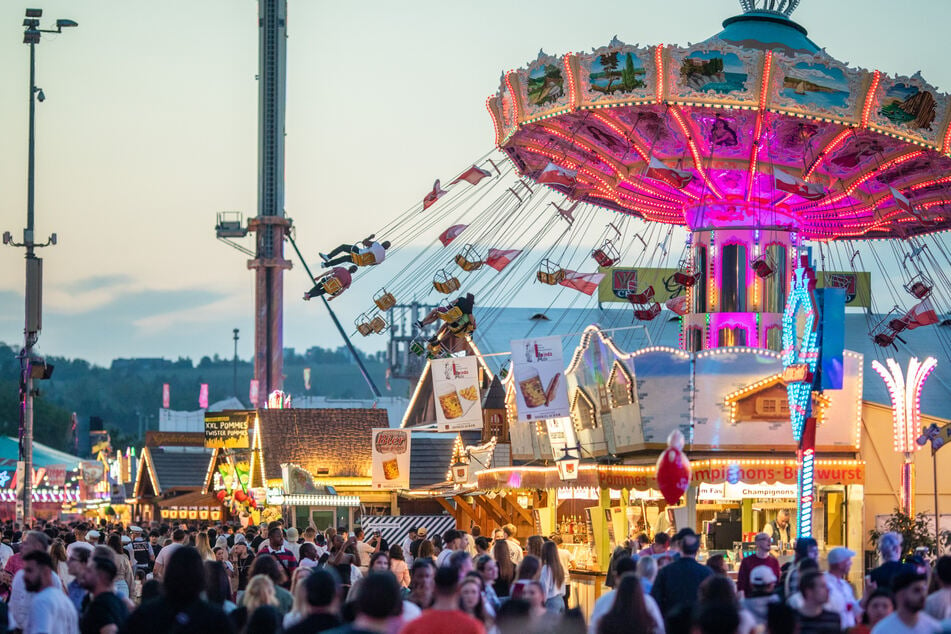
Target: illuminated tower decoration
(905,392)
(800,360)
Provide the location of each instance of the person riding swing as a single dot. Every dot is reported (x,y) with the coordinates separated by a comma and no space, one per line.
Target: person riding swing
(332,283)
(366,253)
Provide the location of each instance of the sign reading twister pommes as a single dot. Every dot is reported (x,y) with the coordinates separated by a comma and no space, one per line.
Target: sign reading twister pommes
(391,455)
(540,388)
(227,430)
(456,390)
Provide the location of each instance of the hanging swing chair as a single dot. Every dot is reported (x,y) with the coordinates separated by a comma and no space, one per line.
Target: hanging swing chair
(377,324)
(384,300)
(606,254)
(920,286)
(363,324)
(468,260)
(418,346)
(445,282)
(550,273)
(647,314)
(763,266)
(684,276)
(449,312)
(886,330)
(644,297)
(363,259)
(331,286)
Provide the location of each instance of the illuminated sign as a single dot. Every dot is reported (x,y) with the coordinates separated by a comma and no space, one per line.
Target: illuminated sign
(800,342)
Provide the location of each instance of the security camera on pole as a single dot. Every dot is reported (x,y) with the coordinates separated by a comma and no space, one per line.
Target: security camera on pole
(31,367)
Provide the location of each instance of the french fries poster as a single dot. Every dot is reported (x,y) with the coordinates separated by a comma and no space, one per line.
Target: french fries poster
(457,395)
(541,391)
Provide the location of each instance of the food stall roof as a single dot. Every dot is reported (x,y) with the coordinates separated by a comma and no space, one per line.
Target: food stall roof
(43,456)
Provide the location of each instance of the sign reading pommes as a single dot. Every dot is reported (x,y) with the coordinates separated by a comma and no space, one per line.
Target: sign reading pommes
(227,430)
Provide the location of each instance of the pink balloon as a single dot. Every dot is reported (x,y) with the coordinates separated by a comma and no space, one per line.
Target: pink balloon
(673,474)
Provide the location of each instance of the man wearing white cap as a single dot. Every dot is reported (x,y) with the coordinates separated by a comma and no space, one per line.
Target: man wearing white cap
(760,557)
(762,582)
(841,597)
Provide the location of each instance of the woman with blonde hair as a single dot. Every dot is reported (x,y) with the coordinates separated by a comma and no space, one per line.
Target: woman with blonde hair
(204,547)
(300,608)
(125,578)
(58,555)
(260,592)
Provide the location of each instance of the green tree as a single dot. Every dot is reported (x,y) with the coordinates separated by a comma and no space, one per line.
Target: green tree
(915,531)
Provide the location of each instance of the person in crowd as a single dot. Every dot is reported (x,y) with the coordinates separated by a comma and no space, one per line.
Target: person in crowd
(567,559)
(806,548)
(717,563)
(842,599)
(332,283)
(515,549)
(445,617)
(472,600)
(161,559)
(507,568)
(422,583)
(604,603)
(483,546)
(780,528)
(530,568)
(57,552)
(782,619)
(911,591)
(398,565)
(460,562)
(241,559)
(761,593)
(452,542)
(308,555)
(407,543)
(378,611)
(365,549)
(554,578)
(890,550)
(489,571)
(321,610)
(379,562)
(628,610)
(660,546)
(427,550)
(619,553)
(716,618)
(51,611)
(760,557)
(106,612)
(437,545)
(125,578)
(878,604)
(271,568)
(421,534)
(678,581)
(218,586)
(368,251)
(21,597)
(938,603)
(647,572)
(718,590)
(260,591)
(204,546)
(275,547)
(813,617)
(291,537)
(533,546)
(75,589)
(298,607)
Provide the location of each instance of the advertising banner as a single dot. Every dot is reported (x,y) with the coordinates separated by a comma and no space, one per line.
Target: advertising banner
(541,391)
(619,282)
(391,455)
(56,475)
(857,285)
(456,390)
(227,430)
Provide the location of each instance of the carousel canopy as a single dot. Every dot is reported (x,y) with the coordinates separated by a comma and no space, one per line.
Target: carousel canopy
(43,455)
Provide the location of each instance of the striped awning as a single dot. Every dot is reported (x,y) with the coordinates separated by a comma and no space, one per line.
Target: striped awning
(394,528)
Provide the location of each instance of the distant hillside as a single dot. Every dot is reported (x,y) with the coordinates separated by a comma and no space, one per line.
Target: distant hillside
(128,395)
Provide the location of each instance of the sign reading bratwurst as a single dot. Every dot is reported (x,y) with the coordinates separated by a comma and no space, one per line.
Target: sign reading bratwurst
(227,430)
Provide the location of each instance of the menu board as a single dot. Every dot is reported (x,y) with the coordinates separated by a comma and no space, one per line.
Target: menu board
(457,395)
(227,430)
(541,391)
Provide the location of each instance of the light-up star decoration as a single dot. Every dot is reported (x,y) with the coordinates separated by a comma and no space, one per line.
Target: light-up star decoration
(801,343)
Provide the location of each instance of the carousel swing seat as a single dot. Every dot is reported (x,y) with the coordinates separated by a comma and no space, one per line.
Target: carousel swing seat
(363,325)
(685,279)
(885,331)
(445,283)
(384,300)
(377,324)
(763,266)
(331,285)
(606,254)
(647,314)
(418,346)
(363,259)
(919,286)
(468,260)
(644,297)
(550,273)
(449,313)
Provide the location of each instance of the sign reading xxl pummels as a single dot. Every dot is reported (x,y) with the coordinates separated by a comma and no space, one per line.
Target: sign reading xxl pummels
(540,388)
(456,390)
(227,430)
(391,454)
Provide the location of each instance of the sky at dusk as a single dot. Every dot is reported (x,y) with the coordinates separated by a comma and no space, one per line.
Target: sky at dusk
(150,127)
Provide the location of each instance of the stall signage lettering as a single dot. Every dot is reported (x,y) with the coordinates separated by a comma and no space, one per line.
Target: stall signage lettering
(227,430)
(845,474)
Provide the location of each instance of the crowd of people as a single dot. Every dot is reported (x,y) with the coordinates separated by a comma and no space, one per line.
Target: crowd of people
(189,579)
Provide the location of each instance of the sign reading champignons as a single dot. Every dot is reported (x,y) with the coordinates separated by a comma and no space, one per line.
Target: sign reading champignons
(227,430)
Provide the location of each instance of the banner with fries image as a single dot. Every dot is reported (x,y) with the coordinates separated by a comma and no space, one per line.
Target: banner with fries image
(540,388)
(456,390)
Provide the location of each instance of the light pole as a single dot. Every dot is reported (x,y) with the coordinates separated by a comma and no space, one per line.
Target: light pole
(235,379)
(31,368)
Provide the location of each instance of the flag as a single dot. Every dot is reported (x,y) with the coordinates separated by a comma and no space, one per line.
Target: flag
(451,234)
(472,175)
(921,314)
(389,373)
(203,396)
(677,305)
(166,396)
(430,199)
(254,392)
(557,175)
(307,379)
(498,259)
(794,185)
(901,200)
(587,283)
(674,177)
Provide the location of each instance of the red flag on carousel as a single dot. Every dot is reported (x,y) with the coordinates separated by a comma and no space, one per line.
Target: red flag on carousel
(473,175)
(430,199)
(451,234)
(498,259)
(794,185)
(677,305)
(674,177)
(901,200)
(921,314)
(557,175)
(587,283)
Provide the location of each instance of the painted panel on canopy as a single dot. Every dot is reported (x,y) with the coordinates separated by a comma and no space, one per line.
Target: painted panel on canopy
(601,135)
(616,73)
(656,129)
(663,392)
(724,133)
(862,150)
(792,141)
(910,107)
(507,106)
(918,169)
(544,86)
(717,73)
(817,86)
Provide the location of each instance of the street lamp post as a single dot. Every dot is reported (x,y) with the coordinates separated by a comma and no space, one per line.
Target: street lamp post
(30,367)
(235,378)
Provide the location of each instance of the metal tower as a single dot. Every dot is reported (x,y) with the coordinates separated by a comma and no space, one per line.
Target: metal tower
(270,226)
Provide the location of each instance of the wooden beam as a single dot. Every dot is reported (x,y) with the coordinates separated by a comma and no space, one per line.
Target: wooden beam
(492,509)
(468,510)
(525,513)
(446,505)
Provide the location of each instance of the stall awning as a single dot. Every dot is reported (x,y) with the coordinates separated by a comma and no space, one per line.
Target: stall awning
(311,499)
(198,499)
